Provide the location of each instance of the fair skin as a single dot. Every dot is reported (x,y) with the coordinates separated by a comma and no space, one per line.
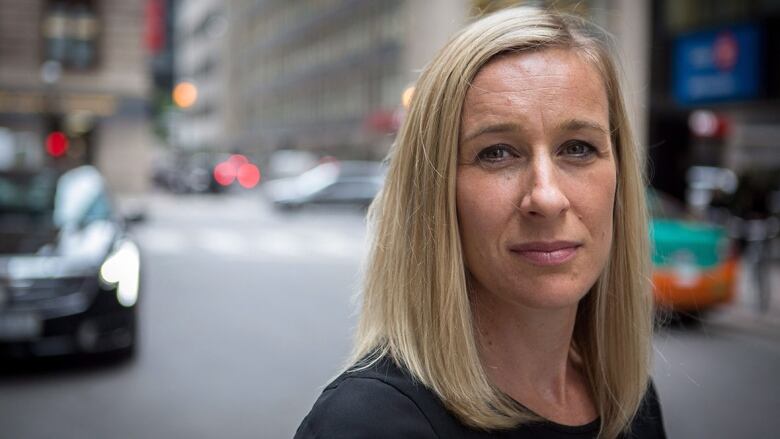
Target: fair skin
(535,193)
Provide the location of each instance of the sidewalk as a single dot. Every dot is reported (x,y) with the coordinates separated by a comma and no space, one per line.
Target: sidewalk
(744,314)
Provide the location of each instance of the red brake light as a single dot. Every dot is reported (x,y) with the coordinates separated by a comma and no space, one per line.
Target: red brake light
(248,175)
(225,173)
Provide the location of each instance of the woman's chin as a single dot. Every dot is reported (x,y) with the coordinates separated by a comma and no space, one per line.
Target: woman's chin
(548,295)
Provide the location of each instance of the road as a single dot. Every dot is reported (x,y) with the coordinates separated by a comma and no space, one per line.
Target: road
(717,383)
(247,313)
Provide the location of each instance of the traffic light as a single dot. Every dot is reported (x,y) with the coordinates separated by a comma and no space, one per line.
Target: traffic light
(57,144)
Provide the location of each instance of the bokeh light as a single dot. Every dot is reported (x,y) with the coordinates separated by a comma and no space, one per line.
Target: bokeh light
(406,97)
(185,94)
(57,144)
(248,175)
(237,160)
(225,173)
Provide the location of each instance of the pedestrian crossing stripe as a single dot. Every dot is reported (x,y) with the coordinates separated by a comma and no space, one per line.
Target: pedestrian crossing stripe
(256,244)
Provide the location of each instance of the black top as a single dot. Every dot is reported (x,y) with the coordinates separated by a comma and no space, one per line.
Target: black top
(384,402)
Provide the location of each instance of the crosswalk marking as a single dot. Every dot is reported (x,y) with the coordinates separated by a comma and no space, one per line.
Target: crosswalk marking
(221,242)
(162,241)
(338,246)
(281,243)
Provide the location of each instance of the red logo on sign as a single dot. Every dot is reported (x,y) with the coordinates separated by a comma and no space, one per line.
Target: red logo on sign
(725,51)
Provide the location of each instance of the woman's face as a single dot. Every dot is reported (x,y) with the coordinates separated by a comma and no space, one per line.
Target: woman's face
(536,179)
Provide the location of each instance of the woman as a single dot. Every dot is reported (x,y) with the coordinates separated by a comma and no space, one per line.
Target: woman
(507,292)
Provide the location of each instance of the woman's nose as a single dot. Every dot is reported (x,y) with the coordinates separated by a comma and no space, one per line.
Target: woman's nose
(542,195)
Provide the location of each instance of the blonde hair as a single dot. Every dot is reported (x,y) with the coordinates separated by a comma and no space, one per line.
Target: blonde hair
(415,302)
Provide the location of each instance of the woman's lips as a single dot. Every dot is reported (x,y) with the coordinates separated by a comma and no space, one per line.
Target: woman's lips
(546,253)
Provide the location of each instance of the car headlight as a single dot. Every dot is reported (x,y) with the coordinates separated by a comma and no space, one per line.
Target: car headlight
(122,270)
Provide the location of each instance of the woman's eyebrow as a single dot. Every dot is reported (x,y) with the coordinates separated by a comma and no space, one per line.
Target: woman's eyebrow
(493,128)
(582,124)
(567,125)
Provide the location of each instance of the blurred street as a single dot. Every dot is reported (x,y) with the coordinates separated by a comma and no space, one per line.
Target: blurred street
(244,314)
(247,312)
(185,142)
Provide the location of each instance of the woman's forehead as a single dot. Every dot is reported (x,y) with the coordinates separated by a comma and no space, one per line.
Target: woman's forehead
(555,83)
(539,71)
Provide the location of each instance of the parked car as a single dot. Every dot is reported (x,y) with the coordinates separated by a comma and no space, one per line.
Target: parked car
(332,182)
(694,262)
(289,163)
(69,271)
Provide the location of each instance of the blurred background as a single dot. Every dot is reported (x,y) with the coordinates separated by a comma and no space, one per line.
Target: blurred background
(183,186)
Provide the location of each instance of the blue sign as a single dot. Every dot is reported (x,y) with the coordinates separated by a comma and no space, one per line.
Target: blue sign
(718,65)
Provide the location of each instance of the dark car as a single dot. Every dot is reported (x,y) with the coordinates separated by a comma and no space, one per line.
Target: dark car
(349,182)
(69,272)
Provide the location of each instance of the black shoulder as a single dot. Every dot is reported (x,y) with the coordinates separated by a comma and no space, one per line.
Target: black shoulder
(364,406)
(649,423)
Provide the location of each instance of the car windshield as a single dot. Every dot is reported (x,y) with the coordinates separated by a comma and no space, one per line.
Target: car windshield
(27,199)
(81,197)
(38,201)
(317,178)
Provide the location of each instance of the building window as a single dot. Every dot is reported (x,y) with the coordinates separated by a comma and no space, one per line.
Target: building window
(70,31)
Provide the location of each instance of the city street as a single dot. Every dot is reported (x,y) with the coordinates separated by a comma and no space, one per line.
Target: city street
(246,313)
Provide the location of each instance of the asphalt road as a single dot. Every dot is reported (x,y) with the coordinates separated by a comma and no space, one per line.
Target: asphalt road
(247,313)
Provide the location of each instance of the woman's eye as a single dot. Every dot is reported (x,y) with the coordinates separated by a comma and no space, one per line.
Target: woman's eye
(578,149)
(494,153)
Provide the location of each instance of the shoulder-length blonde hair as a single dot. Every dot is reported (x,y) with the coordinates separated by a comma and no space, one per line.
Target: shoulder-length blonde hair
(415,300)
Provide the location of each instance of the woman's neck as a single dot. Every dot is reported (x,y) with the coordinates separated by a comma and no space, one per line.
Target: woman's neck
(527,354)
